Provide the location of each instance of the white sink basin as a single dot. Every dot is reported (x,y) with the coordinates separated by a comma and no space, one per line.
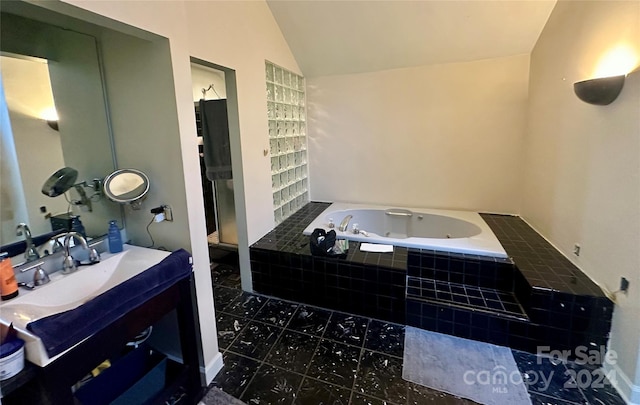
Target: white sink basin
(69,291)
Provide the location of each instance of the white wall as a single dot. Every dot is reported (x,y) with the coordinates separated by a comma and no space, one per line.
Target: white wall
(434,136)
(582,162)
(202,77)
(154,149)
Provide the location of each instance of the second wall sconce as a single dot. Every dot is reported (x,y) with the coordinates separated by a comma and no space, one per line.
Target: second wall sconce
(601,91)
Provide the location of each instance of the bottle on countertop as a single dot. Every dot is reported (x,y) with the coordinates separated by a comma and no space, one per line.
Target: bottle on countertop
(8,283)
(77,226)
(115,238)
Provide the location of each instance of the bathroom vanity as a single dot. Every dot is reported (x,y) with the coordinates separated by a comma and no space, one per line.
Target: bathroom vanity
(52,382)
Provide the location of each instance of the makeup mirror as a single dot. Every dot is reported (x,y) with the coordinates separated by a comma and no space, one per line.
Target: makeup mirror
(60,182)
(127,186)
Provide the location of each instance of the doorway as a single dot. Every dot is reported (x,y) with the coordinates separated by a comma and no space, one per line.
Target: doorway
(209,87)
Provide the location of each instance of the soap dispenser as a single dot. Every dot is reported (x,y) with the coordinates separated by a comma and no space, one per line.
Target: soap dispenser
(115,238)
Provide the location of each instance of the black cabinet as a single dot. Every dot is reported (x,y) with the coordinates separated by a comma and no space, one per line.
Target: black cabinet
(53,383)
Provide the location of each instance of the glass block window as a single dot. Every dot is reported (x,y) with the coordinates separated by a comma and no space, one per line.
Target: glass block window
(287,140)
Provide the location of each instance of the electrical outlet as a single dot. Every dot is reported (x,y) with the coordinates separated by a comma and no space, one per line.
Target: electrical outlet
(576,249)
(168,213)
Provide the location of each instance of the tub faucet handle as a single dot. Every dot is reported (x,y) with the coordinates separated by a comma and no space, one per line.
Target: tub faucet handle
(331,224)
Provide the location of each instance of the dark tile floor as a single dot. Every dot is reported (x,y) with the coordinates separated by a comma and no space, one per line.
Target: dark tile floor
(279,352)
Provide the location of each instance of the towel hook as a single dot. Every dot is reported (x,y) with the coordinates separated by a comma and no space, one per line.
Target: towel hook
(211,87)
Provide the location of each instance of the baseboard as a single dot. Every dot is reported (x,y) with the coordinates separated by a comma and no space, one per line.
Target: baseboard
(629,392)
(212,369)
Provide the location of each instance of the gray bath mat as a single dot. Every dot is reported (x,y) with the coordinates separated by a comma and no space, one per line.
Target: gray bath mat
(216,396)
(482,372)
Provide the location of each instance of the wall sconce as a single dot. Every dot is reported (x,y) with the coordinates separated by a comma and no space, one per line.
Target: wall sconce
(53,124)
(601,91)
(612,68)
(50,115)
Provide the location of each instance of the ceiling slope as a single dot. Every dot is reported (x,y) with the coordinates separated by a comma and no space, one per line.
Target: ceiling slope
(339,37)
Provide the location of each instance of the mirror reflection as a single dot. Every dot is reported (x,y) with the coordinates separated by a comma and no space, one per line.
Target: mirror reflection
(60,182)
(52,115)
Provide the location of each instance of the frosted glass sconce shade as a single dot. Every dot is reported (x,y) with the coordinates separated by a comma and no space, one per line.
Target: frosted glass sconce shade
(600,91)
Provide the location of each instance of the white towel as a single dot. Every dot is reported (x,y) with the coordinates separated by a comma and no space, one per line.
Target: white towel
(372,247)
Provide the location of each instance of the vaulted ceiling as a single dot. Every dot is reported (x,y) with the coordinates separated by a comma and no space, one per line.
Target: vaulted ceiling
(339,37)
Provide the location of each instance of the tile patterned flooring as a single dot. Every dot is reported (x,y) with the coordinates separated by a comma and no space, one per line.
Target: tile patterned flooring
(279,352)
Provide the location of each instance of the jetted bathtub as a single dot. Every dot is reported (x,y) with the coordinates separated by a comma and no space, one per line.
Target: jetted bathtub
(422,228)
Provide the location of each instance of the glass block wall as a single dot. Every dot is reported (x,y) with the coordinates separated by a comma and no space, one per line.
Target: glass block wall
(287,140)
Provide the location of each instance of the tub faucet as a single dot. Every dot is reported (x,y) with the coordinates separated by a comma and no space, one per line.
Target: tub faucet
(69,263)
(31,253)
(345,223)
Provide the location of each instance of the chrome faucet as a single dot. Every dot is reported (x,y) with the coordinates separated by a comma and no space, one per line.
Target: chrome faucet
(345,223)
(69,263)
(53,245)
(30,253)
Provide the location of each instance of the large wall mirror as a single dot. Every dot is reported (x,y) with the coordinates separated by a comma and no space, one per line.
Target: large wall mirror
(48,71)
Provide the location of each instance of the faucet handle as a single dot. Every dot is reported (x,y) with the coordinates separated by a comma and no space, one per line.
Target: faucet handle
(56,246)
(31,254)
(40,276)
(94,256)
(69,265)
(30,266)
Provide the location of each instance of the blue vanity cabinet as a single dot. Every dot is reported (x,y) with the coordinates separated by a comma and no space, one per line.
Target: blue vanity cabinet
(52,384)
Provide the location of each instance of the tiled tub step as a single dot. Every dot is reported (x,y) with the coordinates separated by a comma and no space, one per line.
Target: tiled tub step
(471,270)
(465,296)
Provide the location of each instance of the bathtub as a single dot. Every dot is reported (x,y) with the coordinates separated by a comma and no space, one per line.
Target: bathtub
(423,228)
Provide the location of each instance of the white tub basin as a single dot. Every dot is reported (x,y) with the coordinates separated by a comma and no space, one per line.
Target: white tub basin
(69,291)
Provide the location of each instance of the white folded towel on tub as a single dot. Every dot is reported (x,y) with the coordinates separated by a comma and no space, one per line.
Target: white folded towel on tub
(374,247)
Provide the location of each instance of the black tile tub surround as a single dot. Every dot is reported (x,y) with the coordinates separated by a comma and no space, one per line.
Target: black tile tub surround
(561,320)
(287,236)
(483,298)
(368,284)
(473,270)
(339,284)
(572,309)
(541,264)
(498,329)
(465,296)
